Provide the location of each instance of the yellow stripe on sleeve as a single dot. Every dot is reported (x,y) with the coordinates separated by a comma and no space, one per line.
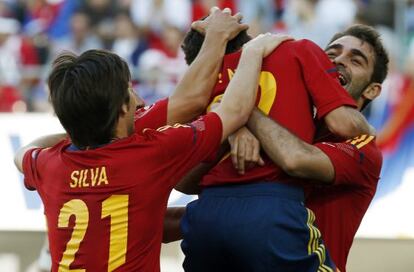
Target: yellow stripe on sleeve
(359,139)
(360,145)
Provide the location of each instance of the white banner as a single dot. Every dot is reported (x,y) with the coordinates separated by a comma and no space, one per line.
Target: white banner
(20,209)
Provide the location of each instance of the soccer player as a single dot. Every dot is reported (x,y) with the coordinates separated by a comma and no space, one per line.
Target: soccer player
(259,223)
(106,188)
(346,172)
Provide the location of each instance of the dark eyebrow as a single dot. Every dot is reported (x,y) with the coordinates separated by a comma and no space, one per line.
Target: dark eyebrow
(357,52)
(334,46)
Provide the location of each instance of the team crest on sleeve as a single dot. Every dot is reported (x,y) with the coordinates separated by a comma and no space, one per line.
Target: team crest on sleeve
(199,125)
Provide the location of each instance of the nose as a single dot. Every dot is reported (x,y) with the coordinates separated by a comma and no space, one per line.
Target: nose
(339,60)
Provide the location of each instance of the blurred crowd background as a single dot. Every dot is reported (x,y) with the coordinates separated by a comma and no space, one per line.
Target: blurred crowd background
(148,34)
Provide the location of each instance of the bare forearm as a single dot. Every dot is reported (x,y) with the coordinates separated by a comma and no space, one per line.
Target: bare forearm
(247,78)
(239,97)
(172,219)
(296,157)
(190,184)
(42,142)
(279,144)
(194,89)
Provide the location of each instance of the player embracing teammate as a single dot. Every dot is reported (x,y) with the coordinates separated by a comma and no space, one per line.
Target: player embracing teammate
(105,184)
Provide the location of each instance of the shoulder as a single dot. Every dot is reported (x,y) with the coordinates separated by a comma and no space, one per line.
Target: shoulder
(307,44)
(361,152)
(305,48)
(367,147)
(356,161)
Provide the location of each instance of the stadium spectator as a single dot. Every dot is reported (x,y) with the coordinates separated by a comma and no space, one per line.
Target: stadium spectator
(154,14)
(81,38)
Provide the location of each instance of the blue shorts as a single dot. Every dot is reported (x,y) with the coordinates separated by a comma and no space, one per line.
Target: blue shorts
(252,227)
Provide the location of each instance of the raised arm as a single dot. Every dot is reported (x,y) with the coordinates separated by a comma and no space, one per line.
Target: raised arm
(240,95)
(42,142)
(296,157)
(193,92)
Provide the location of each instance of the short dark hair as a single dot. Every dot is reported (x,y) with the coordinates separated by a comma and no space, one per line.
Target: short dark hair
(87,93)
(368,34)
(193,41)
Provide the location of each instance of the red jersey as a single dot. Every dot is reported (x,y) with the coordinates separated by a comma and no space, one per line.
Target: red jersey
(105,206)
(339,208)
(295,78)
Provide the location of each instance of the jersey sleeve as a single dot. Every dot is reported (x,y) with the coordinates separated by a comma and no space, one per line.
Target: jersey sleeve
(321,79)
(29,168)
(185,146)
(356,162)
(152,116)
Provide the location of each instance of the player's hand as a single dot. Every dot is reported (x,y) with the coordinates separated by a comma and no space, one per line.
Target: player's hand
(245,150)
(221,22)
(264,44)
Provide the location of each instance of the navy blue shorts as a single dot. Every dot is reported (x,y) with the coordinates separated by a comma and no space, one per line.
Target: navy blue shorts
(252,227)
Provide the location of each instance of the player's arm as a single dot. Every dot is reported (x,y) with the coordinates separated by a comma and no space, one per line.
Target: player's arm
(172,220)
(189,184)
(42,142)
(347,122)
(239,97)
(296,157)
(332,101)
(193,92)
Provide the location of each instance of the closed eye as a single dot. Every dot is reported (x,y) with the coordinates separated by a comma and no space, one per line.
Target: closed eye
(356,62)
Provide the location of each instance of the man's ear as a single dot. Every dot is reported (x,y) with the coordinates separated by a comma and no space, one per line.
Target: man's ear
(124,108)
(372,91)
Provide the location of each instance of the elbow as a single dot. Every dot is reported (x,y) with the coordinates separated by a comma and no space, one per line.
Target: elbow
(244,117)
(199,105)
(347,122)
(18,161)
(244,113)
(188,187)
(347,129)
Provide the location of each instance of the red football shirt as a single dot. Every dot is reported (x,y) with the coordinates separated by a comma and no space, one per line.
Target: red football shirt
(294,78)
(151,116)
(339,208)
(105,207)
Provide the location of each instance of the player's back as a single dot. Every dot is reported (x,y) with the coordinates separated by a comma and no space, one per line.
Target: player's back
(98,201)
(105,206)
(296,77)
